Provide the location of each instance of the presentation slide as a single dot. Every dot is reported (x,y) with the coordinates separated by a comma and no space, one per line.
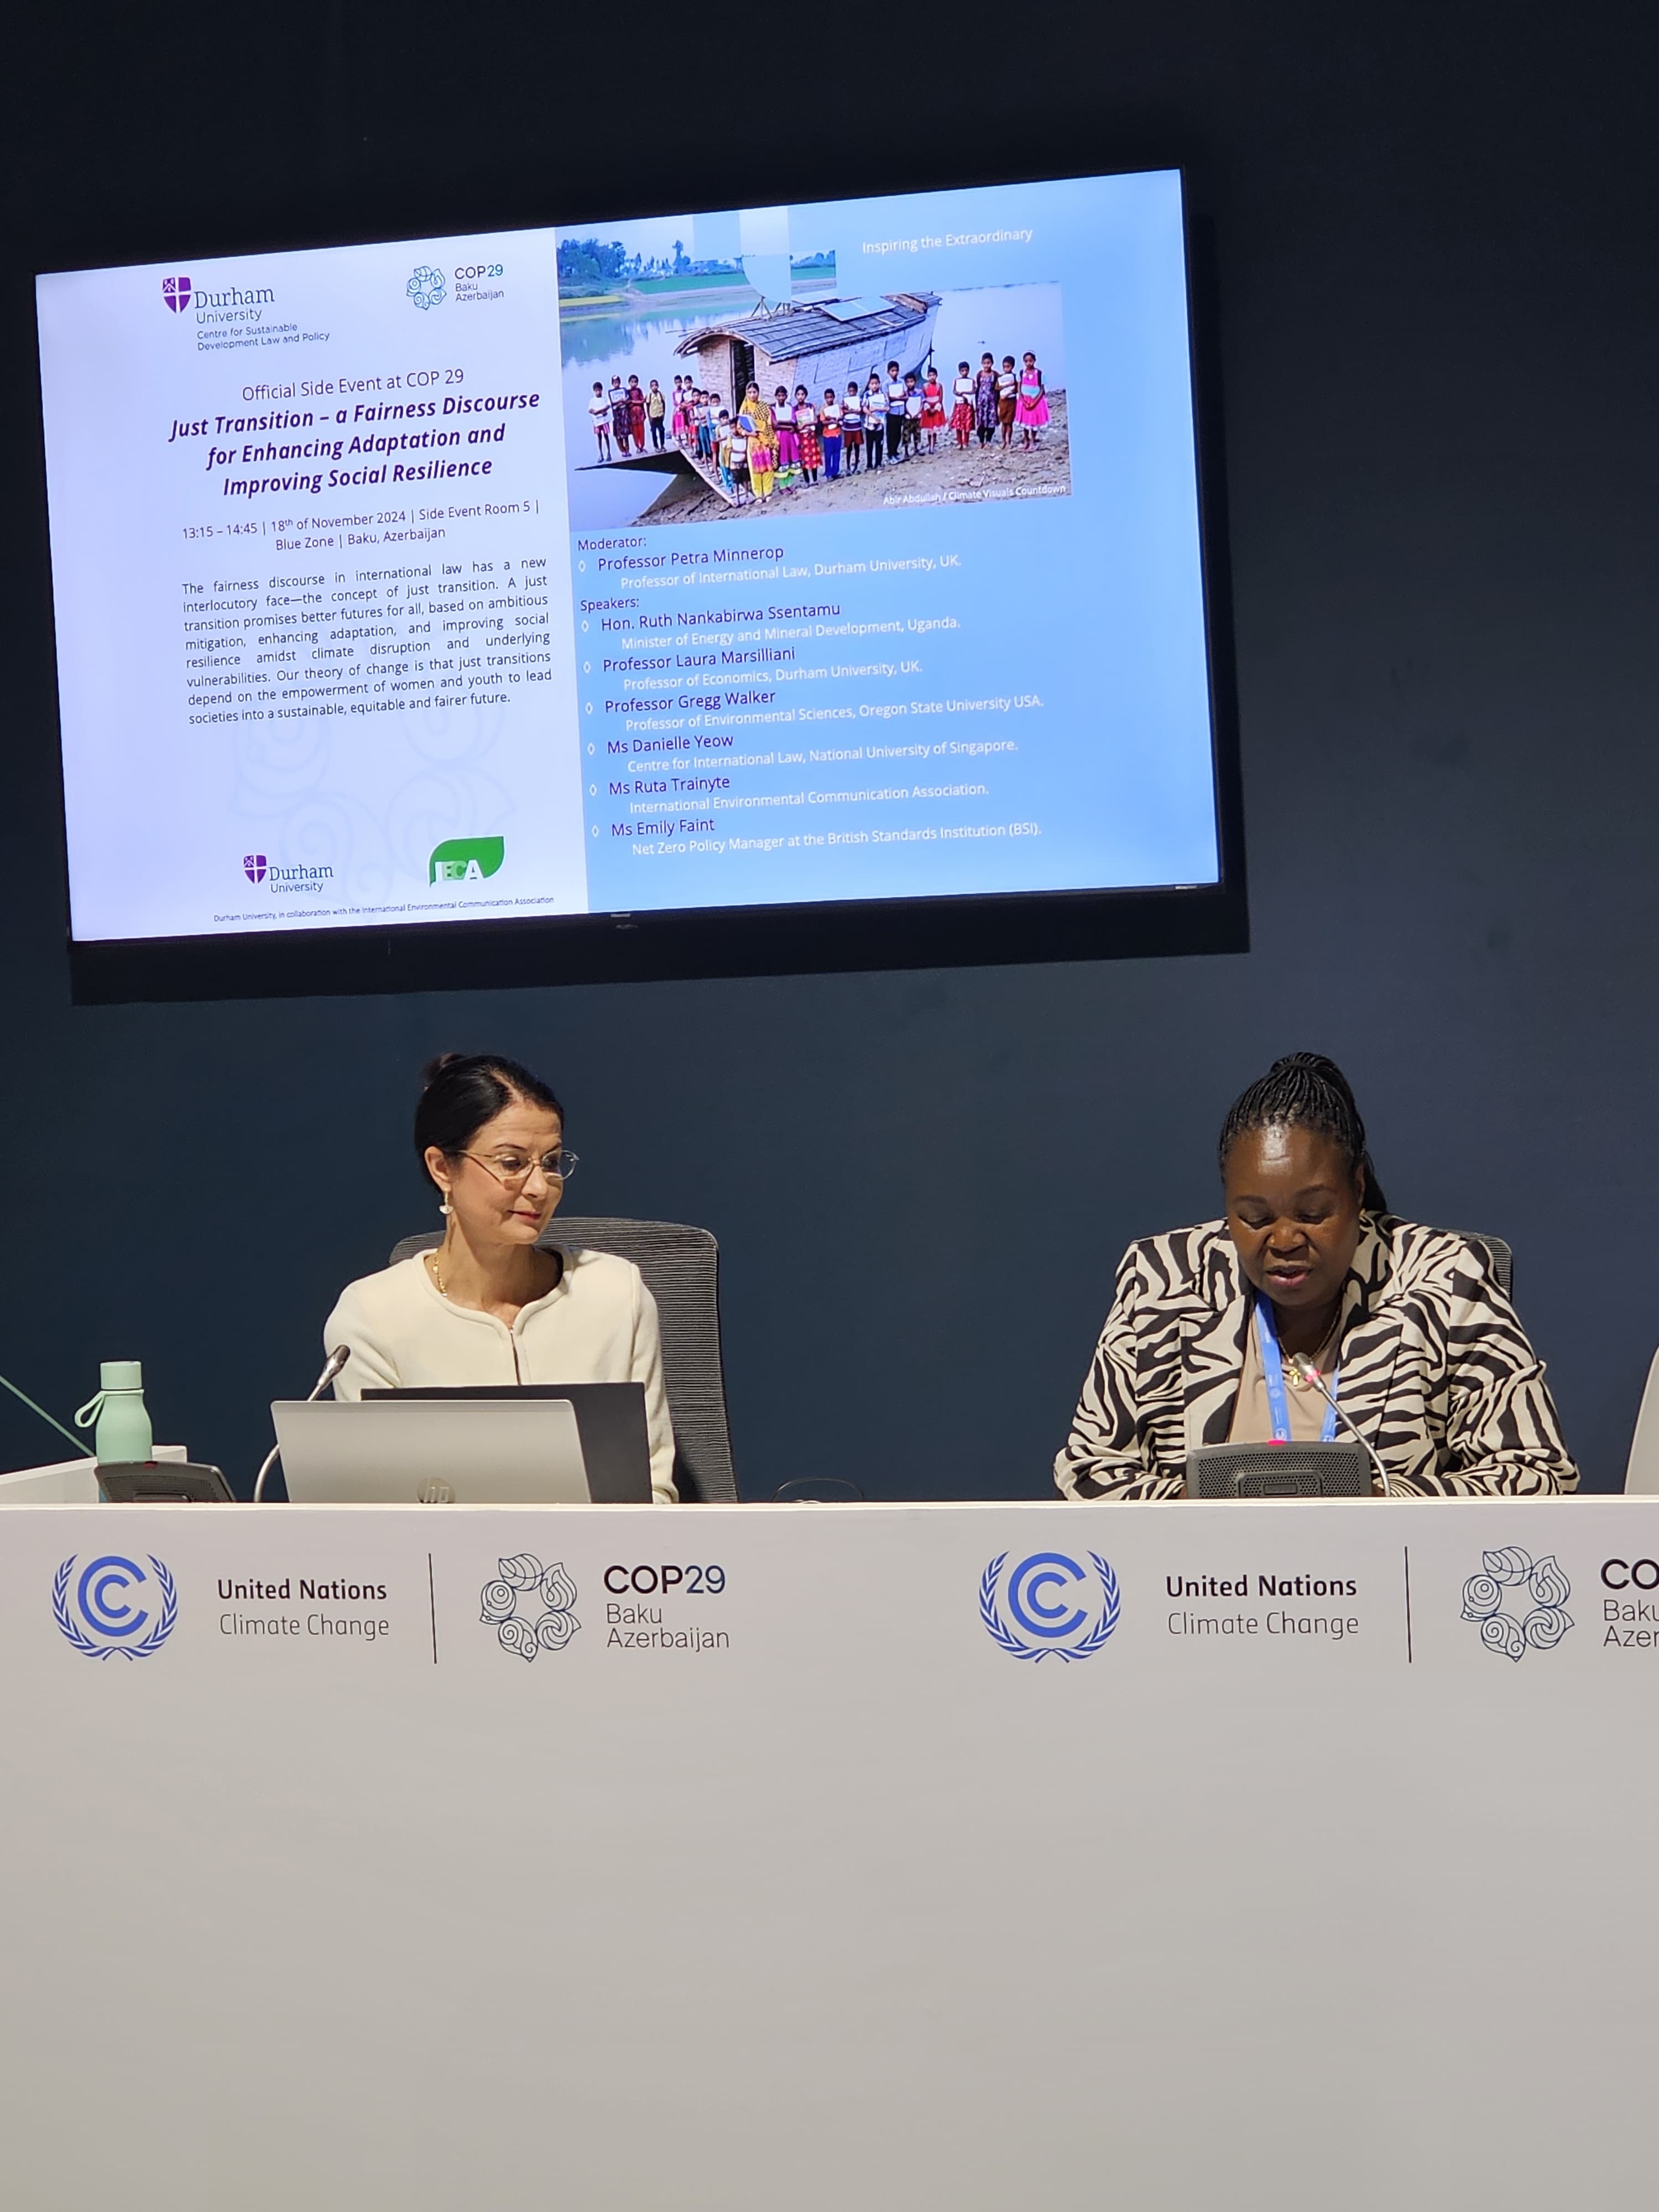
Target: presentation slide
(820,553)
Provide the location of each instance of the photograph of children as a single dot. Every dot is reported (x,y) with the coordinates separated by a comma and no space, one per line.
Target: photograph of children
(690,397)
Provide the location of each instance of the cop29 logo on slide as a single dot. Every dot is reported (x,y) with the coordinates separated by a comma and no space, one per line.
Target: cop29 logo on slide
(1048,1607)
(426,287)
(113,1606)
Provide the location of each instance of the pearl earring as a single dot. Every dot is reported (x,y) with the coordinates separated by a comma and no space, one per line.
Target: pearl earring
(445,1207)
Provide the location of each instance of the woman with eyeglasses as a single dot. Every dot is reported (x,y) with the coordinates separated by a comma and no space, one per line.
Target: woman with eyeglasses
(491,1304)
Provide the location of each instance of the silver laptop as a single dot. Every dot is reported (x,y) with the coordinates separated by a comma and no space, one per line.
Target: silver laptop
(426,1451)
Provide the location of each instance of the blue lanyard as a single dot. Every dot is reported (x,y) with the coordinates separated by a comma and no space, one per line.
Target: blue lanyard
(1272,1374)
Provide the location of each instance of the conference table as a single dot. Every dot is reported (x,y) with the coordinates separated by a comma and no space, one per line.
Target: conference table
(782,1858)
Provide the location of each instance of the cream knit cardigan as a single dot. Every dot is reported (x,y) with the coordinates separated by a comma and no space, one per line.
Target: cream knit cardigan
(599,1325)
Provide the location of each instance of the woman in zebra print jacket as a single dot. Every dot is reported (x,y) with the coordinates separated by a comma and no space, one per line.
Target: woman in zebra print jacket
(1435,1367)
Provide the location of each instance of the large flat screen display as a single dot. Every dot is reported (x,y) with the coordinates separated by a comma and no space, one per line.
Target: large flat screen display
(813,572)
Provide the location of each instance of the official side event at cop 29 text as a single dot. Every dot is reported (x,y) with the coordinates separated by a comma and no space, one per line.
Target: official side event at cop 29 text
(987,691)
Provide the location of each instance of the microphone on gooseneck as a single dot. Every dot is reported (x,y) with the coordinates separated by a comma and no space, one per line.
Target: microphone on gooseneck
(336,1360)
(1301,1365)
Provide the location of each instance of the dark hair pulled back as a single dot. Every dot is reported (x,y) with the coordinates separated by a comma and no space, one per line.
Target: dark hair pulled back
(462,1091)
(1305,1091)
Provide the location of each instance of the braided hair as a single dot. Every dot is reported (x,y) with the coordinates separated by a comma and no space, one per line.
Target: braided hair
(1305,1091)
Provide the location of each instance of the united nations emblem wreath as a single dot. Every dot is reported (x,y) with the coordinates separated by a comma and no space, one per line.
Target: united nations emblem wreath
(1046,1632)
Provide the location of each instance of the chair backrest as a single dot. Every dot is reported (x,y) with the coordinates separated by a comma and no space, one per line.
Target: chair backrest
(681,1268)
(1496,1251)
(1642,1470)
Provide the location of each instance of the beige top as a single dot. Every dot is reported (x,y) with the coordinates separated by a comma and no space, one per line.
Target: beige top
(1253,1420)
(598,1324)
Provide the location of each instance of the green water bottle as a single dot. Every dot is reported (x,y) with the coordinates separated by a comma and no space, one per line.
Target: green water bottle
(123,1433)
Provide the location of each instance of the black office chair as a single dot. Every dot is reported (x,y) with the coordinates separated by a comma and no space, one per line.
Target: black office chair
(1497,1252)
(681,1268)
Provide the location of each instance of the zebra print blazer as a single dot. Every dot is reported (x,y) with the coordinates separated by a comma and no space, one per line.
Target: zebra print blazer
(1436,1370)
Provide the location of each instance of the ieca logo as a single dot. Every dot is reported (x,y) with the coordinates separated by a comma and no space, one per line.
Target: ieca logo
(465,860)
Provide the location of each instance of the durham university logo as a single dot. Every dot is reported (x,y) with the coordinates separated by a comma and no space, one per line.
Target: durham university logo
(1048,1607)
(175,290)
(1518,1601)
(530,1607)
(113,1606)
(255,867)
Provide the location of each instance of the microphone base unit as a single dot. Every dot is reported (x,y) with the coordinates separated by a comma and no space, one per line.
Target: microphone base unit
(1271,1470)
(162,1482)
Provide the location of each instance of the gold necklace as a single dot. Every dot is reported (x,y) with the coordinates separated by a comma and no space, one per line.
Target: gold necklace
(432,1259)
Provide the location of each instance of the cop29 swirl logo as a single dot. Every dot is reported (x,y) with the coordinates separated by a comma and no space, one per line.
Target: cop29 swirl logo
(531,1607)
(1519,1603)
(101,1612)
(1048,1607)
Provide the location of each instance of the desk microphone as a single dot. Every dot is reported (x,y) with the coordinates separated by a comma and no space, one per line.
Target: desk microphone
(336,1360)
(1301,1365)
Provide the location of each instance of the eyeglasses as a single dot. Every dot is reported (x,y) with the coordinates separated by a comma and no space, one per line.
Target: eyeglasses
(512,1168)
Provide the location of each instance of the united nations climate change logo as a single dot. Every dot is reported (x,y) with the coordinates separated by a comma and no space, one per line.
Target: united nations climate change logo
(426,287)
(1049,1608)
(529,1606)
(1519,1602)
(99,1613)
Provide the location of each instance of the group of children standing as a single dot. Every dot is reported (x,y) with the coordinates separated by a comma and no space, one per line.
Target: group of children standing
(622,417)
(785,444)
(991,399)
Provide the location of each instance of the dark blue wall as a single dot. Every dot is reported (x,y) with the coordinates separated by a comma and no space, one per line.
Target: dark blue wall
(1439,334)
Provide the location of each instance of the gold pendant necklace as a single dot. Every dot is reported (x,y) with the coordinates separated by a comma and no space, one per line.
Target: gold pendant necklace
(437,1277)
